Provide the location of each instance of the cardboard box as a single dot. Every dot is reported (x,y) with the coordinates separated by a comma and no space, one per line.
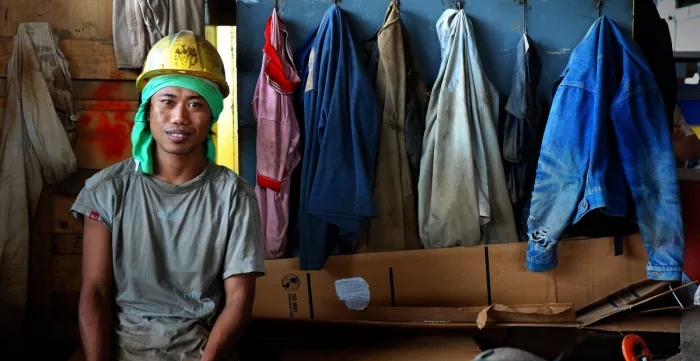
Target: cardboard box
(456,277)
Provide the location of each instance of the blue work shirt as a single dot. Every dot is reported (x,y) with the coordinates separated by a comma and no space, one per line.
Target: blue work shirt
(606,147)
(342,128)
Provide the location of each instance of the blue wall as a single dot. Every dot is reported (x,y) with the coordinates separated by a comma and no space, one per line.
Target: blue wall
(556,26)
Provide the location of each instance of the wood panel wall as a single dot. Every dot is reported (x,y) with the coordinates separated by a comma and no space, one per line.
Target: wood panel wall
(74,19)
(106,99)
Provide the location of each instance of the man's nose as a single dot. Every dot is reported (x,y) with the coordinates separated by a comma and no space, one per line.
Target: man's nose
(180,115)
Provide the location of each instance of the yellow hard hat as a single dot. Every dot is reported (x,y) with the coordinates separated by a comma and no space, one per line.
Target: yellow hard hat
(184,53)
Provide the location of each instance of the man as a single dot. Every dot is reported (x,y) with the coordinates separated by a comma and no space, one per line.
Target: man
(686,144)
(172,242)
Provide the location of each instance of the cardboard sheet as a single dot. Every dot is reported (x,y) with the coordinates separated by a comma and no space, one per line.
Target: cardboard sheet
(635,297)
(548,313)
(455,277)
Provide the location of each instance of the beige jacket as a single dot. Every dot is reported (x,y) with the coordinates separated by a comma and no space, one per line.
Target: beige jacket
(396,226)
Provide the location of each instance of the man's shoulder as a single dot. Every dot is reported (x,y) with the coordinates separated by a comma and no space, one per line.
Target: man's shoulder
(238,185)
(112,174)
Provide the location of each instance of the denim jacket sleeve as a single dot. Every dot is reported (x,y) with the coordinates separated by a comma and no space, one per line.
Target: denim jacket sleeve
(561,170)
(649,166)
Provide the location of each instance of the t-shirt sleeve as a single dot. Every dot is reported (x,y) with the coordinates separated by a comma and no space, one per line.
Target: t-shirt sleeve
(680,126)
(244,250)
(94,202)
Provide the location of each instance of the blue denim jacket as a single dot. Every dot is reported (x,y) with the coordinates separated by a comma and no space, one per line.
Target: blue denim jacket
(606,147)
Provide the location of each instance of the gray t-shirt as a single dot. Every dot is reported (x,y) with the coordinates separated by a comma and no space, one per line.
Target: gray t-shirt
(172,247)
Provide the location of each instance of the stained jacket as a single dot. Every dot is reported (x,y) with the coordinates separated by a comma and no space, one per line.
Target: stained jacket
(462,194)
(522,129)
(35,149)
(278,145)
(402,99)
(138,24)
(607,147)
(342,129)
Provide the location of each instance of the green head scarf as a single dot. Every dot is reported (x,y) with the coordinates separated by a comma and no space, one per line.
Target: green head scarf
(141,137)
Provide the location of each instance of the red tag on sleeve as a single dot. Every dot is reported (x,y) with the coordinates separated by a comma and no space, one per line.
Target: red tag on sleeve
(94,215)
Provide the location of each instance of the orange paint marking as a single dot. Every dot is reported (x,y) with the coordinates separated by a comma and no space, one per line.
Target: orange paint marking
(109,133)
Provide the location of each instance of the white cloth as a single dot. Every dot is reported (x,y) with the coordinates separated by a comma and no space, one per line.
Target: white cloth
(34,149)
(138,24)
(462,194)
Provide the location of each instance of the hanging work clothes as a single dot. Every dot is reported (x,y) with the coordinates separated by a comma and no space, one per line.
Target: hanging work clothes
(522,129)
(301,61)
(34,149)
(138,24)
(402,99)
(462,194)
(607,150)
(278,145)
(342,129)
(652,34)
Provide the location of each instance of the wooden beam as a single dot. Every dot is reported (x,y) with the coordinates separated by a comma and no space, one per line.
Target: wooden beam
(103,105)
(89,59)
(69,18)
(95,89)
(63,222)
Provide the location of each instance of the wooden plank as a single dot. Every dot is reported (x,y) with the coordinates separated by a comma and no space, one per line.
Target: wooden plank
(89,59)
(104,138)
(63,222)
(40,277)
(101,105)
(108,105)
(68,243)
(67,273)
(69,18)
(75,183)
(105,90)
(65,304)
(95,89)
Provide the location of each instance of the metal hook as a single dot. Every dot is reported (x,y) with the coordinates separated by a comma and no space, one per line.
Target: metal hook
(397,3)
(335,2)
(459,4)
(275,5)
(524,16)
(599,6)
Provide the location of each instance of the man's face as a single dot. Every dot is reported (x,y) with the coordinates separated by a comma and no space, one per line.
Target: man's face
(179,120)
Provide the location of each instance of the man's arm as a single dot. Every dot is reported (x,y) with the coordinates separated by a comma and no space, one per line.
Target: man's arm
(240,292)
(686,147)
(95,311)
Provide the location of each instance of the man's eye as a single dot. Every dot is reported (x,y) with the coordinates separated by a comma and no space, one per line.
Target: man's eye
(168,102)
(195,104)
